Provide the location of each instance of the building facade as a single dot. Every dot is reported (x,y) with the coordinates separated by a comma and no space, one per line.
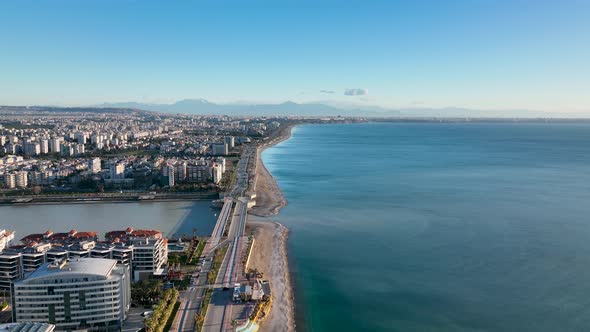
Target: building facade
(83,294)
(5,238)
(94,165)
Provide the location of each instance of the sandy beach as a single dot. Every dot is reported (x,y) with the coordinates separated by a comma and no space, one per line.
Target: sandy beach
(269,254)
(269,197)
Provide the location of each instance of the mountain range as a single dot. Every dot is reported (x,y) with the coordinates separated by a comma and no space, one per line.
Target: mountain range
(289,108)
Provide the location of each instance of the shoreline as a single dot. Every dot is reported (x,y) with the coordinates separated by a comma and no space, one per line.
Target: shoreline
(270,255)
(269,197)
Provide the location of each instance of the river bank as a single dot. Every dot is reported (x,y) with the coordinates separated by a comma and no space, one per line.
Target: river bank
(269,255)
(104,198)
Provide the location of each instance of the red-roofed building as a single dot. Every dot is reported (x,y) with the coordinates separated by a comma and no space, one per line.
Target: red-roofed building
(110,236)
(150,250)
(85,236)
(32,238)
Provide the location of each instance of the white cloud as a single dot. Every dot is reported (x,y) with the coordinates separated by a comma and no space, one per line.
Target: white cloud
(326,91)
(356,92)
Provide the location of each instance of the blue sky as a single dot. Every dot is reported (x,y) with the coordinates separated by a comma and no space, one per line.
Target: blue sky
(472,53)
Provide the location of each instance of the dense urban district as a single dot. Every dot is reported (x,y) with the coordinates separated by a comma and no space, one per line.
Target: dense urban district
(137,279)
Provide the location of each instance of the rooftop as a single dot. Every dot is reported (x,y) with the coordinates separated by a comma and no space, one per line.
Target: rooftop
(92,266)
(26,327)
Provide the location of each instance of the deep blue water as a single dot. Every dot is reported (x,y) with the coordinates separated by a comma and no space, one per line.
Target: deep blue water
(438,227)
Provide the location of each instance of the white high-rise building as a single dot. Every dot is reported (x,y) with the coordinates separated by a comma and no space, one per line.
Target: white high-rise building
(94,165)
(117,171)
(96,139)
(55,144)
(21,179)
(10,180)
(168,175)
(216,173)
(44,146)
(221,161)
(81,294)
(230,141)
(149,258)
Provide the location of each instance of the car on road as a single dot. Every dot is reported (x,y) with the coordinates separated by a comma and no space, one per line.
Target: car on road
(146,313)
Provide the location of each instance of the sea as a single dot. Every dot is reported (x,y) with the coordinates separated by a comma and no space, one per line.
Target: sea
(438,226)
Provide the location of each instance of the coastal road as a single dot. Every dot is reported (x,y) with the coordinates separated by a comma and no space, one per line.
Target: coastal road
(241,183)
(220,311)
(191,298)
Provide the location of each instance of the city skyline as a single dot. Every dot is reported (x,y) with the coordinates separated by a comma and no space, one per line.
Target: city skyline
(393,54)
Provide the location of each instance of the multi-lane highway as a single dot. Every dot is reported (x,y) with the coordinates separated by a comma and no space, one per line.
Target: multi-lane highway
(191,299)
(241,183)
(219,313)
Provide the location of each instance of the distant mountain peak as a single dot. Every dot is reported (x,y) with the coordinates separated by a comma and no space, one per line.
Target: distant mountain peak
(194,101)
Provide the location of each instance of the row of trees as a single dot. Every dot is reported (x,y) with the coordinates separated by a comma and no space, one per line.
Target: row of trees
(157,321)
(146,292)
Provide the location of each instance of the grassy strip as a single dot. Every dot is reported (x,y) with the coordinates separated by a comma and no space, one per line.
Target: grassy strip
(172,316)
(217,260)
(200,317)
(162,312)
(250,245)
(198,251)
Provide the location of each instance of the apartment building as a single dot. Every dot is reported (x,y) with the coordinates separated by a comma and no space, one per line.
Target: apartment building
(5,238)
(82,294)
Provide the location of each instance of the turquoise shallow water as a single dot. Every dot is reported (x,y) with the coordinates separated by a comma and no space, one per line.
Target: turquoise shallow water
(438,227)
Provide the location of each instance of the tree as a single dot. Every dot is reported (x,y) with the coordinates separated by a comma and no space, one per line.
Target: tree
(36,190)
